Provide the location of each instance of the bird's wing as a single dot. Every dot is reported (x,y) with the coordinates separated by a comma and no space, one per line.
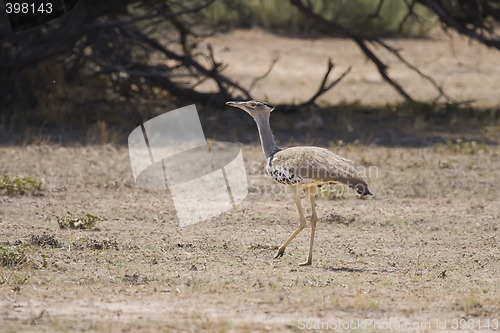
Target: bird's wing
(319,165)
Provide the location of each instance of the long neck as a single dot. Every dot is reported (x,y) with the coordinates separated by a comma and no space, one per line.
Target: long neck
(269,146)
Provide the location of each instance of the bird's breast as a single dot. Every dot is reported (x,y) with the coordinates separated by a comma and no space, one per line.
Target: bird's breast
(283,175)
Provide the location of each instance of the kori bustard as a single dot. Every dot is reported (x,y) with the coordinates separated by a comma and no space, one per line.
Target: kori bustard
(302,168)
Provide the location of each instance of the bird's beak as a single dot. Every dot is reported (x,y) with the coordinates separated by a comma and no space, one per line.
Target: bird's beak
(233,103)
(240,105)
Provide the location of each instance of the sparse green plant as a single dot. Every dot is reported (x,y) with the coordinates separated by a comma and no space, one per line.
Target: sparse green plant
(11,185)
(363,160)
(14,260)
(417,270)
(338,219)
(259,246)
(363,301)
(460,146)
(332,191)
(70,221)
(387,281)
(315,280)
(21,278)
(44,260)
(471,304)
(444,164)
(14,256)
(492,131)
(397,221)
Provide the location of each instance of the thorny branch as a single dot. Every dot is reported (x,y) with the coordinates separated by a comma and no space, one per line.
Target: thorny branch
(376,13)
(258,78)
(122,41)
(411,13)
(323,88)
(329,27)
(415,69)
(472,18)
(465,23)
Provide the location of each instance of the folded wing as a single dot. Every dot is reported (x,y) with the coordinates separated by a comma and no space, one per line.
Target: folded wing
(319,165)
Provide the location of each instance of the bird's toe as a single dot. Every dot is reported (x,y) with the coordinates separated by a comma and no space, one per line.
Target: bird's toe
(306,263)
(279,254)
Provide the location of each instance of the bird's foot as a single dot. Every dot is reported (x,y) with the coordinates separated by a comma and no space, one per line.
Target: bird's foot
(279,254)
(306,263)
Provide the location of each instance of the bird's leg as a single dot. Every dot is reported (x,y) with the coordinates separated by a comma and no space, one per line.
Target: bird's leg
(312,192)
(301,226)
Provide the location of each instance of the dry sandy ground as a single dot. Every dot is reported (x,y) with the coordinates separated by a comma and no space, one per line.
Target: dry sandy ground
(424,249)
(466,70)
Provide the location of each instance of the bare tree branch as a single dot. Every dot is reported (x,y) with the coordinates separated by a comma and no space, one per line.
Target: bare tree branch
(323,88)
(410,5)
(415,69)
(450,21)
(362,40)
(159,78)
(382,67)
(328,26)
(376,13)
(223,83)
(258,78)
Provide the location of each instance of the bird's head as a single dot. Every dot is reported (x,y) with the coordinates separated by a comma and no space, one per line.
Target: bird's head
(253,108)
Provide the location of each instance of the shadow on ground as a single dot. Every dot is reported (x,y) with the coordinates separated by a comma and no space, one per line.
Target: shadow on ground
(403,125)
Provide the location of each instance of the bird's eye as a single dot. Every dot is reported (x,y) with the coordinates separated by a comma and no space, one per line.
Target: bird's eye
(253,104)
